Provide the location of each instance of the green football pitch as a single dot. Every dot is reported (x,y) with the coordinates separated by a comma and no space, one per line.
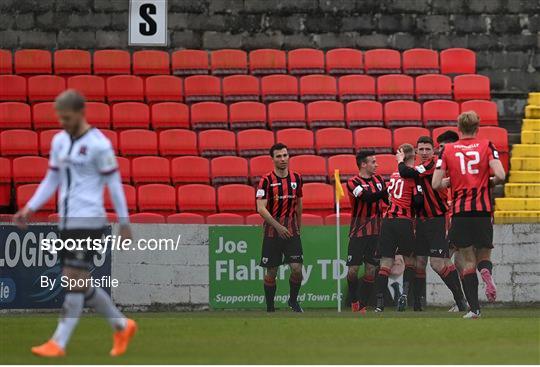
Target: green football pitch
(502,336)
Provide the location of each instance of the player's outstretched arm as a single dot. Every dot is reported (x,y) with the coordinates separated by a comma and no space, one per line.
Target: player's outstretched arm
(116,191)
(261,209)
(437,180)
(498,171)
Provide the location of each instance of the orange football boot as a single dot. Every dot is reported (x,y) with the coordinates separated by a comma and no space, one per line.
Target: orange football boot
(49,349)
(122,338)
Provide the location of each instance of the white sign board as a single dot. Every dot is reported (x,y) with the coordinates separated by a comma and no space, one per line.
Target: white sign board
(148,22)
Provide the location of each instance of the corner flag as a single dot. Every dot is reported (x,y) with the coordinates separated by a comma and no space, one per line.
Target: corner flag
(339,195)
(339,189)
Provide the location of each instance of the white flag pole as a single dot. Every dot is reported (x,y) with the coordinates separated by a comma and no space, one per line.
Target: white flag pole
(338,250)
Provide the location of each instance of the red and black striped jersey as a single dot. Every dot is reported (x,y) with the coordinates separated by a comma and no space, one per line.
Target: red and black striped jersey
(401,192)
(365,195)
(466,163)
(282,194)
(435,201)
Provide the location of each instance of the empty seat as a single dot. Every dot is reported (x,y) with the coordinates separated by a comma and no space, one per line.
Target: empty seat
(72,62)
(440,113)
(15,115)
(420,61)
(259,166)
(112,136)
(125,88)
(164,88)
(18,142)
(312,220)
(304,61)
(225,219)
(345,163)
(149,62)
(334,141)
(236,198)
(156,197)
(377,139)
(12,88)
(458,61)
(344,219)
(131,198)
(352,87)
(170,115)
(209,115)
(25,192)
(147,218)
(6,62)
(408,135)
(286,114)
(214,143)
(433,86)
(311,167)
(247,115)
(318,198)
(98,114)
(45,87)
(190,62)
(318,87)
(185,218)
(364,113)
(5,182)
(298,141)
(439,130)
(391,87)
(150,169)
(138,142)
(497,135)
(254,142)
(471,86)
(112,62)
(44,116)
(254,219)
(387,165)
(196,198)
(382,61)
(45,139)
(279,88)
(33,62)
(486,110)
(202,88)
(344,61)
(190,169)
(124,166)
(29,169)
(402,113)
(127,115)
(227,170)
(92,87)
(175,142)
(227,62)
(267,61)
(325,114)
(240,88)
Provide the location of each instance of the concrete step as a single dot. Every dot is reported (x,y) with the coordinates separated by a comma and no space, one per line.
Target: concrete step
(525,164)
(534,98)
(519,190)
(524,176)
(532,112)
(531,124)
(507,216)
(530,137)
(517,204)
(525,150)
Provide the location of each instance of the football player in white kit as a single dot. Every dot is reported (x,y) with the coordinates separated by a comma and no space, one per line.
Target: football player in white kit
(81,163)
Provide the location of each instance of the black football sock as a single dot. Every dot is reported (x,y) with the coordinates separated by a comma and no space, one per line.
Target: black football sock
(352,281)
(294,282)
(408,278)
(366,288)
(450,277)
(419,286)
(470,286)
(381,283)
(269,291)
(485,264)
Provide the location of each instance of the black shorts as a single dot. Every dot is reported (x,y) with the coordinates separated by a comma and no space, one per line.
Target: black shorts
(80,259)
(277,251)
(431,237)
(396,234)
(363,250)
(471,229)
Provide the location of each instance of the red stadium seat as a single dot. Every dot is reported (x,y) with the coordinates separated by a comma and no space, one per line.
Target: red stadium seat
(433,86)
(334,140)
(377,139)
(440,113)
(72,62)
(240,88)
(177,142)
(15,115)
(29,169)
(344,219)
(236,198)
(325,114)
(45,87)
(33,62)
(45,139)
(160,88)
(156,197)
(409,135)
(254,220)
(12,88)
(6,62)
(189,170)
(318,198)
(92,87)
(112,136)
(247,115)
(5,170)
(387,165)
(345,163)
(209,115)
(352,87)
(147,218)
(267,61)
(138,142)
(18,142)
(279,88)
(124,167)
(390,87)
(170,115)
(125,88)
(286,114)
(254,142)
(439,130)
(190,62)
(127,115)
(215,143)
(486,110)
(259,166)
(458,61)
(382,61)
(364,113)
(402,113)
(304,61)
(341,61)
(196,198)
(185,218)
(227,62)
(298,141)
(199,88)
(311,167)
(150,62)
(225,218)
(131,198)
(497,135)
(312,220)
(25,192)
(150,170)
(228,169)
(98,114)
(112,62)
(5,183)
(471,86)
(44,116)
(317,87)
(418,61)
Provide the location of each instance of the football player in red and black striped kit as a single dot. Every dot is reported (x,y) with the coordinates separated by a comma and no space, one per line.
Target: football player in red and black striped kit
(366,193)
(467,163)
(279,202)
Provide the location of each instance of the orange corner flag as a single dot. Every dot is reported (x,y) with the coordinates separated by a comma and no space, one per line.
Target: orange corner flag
(339,188)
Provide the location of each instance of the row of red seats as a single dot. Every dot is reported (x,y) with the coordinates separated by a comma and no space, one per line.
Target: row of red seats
(228,61)
(247,115)
(233,88)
